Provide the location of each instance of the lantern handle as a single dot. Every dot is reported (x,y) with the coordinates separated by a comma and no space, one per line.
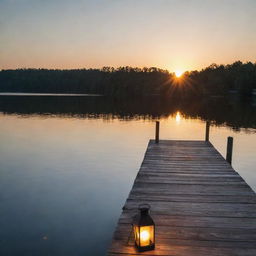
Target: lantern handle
(144,206)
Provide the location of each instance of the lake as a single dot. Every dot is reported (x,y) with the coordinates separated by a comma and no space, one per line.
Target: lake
(68,163)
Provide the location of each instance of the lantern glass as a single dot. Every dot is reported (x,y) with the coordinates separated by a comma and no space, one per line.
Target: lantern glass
(144,230)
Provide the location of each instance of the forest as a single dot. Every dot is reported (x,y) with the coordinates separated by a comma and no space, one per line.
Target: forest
(237,78)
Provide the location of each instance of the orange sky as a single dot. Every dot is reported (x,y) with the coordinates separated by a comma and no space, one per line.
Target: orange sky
(170,34)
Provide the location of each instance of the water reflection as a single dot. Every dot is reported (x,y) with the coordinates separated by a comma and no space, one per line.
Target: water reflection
(178,117)
(221,111)
(66,172)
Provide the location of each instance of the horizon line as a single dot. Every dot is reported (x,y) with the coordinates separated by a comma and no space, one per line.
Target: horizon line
(133,67)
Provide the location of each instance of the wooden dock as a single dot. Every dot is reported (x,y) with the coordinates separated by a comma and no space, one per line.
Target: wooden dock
(201,206)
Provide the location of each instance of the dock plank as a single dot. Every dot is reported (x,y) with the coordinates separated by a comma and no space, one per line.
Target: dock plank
(200,204)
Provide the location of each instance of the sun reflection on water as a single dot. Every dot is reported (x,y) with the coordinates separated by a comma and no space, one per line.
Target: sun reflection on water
(178,117)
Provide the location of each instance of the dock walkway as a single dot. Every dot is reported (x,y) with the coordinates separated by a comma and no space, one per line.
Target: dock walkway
(201,206)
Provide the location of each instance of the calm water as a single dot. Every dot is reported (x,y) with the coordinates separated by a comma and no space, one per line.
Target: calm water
(68,164)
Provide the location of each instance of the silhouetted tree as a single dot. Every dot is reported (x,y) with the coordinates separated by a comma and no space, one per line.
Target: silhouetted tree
(134,82)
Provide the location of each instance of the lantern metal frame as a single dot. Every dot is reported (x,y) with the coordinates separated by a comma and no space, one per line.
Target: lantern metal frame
(143,219)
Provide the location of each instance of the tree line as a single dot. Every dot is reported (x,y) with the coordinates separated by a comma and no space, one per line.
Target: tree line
(216,79)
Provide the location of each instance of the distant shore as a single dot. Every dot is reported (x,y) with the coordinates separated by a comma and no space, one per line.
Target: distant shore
(48,94)
(237,78)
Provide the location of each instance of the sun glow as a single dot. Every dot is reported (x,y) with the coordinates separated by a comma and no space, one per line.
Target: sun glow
(178,73)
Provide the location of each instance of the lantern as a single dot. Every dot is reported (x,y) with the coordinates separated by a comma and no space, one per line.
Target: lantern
(144,229)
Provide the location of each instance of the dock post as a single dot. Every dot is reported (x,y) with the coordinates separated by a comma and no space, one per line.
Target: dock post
(157,132)
(229,149)
(207,130)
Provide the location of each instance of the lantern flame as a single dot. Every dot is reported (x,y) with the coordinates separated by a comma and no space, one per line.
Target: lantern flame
(144,235)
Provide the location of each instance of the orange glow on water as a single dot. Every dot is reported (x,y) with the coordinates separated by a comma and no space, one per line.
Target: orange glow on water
(178,117)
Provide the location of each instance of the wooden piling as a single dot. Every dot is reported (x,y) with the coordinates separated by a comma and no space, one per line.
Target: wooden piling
(157,132)
(207,130)
(229,149)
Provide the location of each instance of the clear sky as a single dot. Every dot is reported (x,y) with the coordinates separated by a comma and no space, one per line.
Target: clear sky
(170,34)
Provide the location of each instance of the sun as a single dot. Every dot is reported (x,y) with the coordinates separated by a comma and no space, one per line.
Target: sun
(178,73)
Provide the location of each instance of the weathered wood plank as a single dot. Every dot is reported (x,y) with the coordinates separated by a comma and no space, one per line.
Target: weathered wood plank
(196,221)
(194,233)
(200,205)
(185,247)
(193,189)
(191,198)
(196,209)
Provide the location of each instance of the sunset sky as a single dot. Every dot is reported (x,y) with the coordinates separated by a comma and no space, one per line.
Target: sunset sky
(170,34)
